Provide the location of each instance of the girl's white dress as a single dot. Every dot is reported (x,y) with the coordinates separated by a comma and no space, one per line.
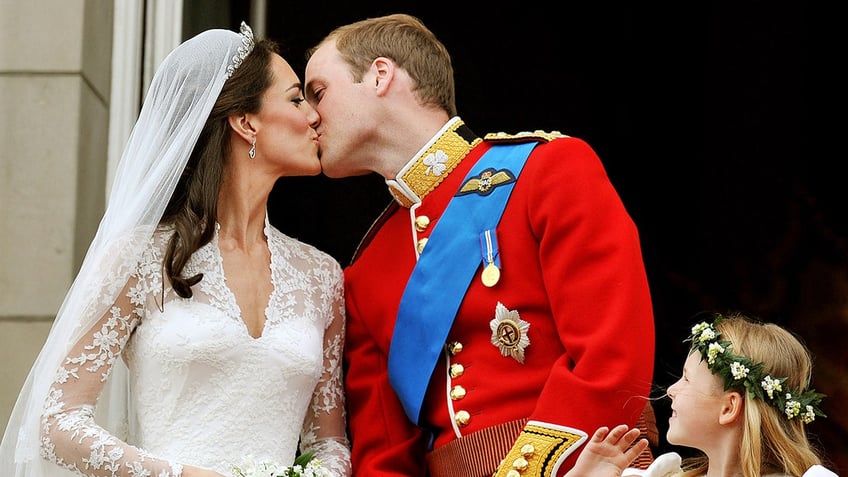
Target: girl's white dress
(668,465)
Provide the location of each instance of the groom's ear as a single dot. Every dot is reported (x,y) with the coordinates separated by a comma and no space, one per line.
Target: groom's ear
(383,70)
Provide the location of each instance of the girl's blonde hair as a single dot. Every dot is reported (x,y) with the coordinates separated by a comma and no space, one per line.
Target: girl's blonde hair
(770,441)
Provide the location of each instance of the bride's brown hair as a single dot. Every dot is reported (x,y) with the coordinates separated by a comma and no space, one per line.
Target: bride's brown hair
(193,208)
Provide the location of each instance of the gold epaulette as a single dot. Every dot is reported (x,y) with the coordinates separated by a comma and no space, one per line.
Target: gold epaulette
(539,450)
(537,135)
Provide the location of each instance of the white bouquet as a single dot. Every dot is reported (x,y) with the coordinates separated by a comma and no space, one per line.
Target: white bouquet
(304,466)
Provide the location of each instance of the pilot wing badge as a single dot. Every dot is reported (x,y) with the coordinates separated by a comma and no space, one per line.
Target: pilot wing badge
(486,182)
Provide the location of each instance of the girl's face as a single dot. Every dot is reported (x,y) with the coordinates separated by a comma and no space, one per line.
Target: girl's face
(696,401)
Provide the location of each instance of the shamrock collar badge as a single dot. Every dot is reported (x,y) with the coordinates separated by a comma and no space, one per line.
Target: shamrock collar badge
(509,333)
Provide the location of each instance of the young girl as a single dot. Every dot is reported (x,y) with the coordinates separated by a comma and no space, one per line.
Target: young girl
(743,401)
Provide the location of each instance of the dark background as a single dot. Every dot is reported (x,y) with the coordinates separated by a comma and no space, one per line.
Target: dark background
(713,122)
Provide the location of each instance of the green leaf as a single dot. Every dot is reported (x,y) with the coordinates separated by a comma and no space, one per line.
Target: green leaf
(303,459)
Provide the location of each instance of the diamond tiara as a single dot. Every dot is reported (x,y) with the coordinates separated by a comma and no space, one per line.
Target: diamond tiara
(243,50)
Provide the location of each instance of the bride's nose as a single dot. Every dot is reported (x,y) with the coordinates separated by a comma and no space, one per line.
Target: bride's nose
(312,115)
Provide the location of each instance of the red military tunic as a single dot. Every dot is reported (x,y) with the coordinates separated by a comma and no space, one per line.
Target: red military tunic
(571,269)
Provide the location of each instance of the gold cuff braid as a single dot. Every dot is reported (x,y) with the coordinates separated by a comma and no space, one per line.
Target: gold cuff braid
(538,450)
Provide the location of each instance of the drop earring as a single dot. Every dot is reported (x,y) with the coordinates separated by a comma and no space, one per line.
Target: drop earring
(252,151)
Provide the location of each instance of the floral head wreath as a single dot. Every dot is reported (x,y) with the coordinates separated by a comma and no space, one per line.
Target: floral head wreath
(738,370)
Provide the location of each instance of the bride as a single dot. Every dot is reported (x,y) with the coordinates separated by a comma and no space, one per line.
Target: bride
(196,334)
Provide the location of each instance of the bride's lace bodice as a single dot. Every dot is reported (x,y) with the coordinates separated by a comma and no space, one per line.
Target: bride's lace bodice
(205,392)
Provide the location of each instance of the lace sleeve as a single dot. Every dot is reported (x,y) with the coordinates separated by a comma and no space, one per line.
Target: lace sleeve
(69,435)
(325,427)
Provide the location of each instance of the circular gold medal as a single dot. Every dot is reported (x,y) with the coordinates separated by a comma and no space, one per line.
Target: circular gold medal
(491,274)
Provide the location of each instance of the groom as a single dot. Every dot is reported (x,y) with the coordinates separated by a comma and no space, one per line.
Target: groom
(498,310)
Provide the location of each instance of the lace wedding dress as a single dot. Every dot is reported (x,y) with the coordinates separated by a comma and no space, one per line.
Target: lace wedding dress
(204,391)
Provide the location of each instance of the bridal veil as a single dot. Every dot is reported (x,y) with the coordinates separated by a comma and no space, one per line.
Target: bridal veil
(176,107)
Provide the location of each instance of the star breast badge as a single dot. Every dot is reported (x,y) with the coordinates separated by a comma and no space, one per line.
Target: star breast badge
(509,333)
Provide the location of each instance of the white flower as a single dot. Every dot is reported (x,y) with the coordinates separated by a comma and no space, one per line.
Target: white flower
(249,467)
(770,385)
(697,329)
(704,332)
(809,416)
(738,370)
(714,350)
(793,408)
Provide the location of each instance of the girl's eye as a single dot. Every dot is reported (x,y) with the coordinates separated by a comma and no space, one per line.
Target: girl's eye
(298,100)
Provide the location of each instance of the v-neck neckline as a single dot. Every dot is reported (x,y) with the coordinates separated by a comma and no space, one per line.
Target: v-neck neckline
(231,296)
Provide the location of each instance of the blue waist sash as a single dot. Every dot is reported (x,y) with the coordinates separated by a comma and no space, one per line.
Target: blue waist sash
(444,271)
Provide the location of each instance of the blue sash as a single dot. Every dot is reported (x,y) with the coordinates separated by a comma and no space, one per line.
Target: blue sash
(444,271)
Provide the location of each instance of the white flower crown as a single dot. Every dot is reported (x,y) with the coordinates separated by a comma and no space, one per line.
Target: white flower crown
(738,370)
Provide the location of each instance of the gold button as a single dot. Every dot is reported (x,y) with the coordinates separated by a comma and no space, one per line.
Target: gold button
(520,464)
(462,418)
(456,370)
(421,244)
(527,450)
(455,348)
(457,393)
(421,223)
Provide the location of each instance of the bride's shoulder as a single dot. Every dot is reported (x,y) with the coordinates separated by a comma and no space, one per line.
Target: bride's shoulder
(287,245)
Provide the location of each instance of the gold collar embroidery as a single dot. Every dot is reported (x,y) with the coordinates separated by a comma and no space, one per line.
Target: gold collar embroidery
(429,167)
